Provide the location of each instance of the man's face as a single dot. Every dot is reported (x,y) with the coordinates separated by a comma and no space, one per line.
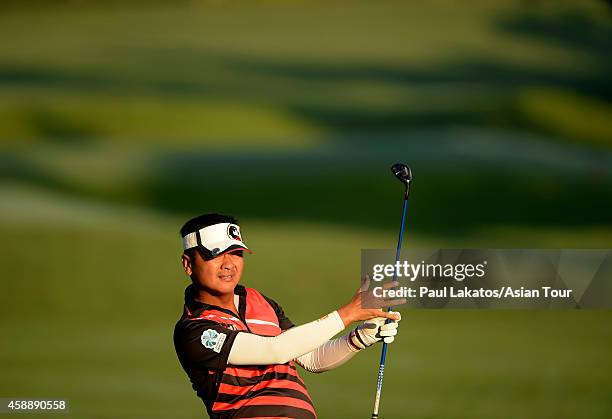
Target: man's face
(217,276)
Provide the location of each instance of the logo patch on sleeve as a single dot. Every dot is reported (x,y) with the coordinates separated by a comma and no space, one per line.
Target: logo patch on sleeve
(211,339)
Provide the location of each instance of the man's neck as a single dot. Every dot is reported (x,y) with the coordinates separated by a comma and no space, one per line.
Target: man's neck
(224,301)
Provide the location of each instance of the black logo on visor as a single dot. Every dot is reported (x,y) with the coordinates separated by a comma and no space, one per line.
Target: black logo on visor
(233,232)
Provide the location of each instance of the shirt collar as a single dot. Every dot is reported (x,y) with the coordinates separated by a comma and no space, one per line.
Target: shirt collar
(195,307)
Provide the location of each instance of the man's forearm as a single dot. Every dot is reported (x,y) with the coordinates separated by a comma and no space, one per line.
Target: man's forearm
(250,349)
(336,352)
(328,356)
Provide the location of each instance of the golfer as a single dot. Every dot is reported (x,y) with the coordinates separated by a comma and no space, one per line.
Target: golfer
(238,347)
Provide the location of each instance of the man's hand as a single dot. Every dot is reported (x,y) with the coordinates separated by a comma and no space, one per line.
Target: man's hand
(372,331)
(354,311)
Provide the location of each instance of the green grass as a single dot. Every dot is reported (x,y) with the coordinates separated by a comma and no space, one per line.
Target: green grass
(82,118)
(197,73)
(120,120)
(565,113)
(488,178)
(90,293)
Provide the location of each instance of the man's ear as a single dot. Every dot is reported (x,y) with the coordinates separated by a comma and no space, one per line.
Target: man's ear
(186,260)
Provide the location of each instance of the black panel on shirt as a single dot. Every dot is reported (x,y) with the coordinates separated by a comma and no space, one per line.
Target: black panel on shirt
(203,344)
(283,321)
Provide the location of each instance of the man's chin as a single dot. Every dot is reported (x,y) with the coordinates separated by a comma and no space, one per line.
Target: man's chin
(227,286)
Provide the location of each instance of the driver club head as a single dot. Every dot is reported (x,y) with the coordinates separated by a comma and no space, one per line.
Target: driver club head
(402,172)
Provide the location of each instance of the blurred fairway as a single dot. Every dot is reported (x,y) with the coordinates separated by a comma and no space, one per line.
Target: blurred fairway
(118,121)
(91,293)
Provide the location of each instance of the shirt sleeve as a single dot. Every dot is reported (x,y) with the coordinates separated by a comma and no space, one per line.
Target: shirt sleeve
(204,343)
(251,349)
(283,321)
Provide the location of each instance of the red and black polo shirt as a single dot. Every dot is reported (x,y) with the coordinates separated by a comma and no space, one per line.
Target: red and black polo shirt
(203,338)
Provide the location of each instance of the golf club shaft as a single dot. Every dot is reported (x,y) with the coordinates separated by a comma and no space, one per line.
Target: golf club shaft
(383,356)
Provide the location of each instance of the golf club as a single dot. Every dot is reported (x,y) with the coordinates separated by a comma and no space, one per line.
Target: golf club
(404,174)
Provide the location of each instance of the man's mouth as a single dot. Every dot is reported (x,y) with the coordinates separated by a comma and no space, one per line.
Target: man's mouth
(227,278)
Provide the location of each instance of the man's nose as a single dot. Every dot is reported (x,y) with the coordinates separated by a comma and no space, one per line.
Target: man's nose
(227,262)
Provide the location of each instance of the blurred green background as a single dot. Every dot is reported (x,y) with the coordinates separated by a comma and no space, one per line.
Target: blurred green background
(118,120)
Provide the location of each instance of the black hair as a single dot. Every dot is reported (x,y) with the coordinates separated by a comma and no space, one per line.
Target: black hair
(206,220)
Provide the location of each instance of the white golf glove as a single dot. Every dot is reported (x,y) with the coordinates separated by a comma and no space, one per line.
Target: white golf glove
(374,330)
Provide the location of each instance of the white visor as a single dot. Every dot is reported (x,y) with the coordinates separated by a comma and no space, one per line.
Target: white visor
(216,239)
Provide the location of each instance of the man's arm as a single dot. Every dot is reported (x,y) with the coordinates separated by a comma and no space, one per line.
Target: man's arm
(328,356)
(338,351)
(249,349)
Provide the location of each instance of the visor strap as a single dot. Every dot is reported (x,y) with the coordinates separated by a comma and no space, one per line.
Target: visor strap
(198,238)
(205,252)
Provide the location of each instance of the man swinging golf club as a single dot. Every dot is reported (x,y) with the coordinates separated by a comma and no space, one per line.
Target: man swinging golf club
(238,347)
